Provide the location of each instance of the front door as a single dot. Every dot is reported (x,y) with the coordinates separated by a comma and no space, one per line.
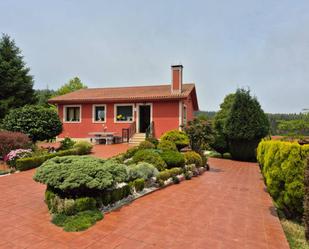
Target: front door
(144,118)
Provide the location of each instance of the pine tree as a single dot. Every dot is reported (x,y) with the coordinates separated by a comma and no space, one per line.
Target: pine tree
(15,82)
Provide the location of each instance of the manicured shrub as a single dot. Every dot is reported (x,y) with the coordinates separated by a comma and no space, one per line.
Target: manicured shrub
(38,122)
(173,159)
(142,170)
(178,137)
(146,145)
(200,133)
(167,145)
(76,176)
(153,140)
(192,157)
(23,164)
(283,167)
(131,152)
(66,144)
(150,156)
(83,147)
(12,141)
(139,184)
(84,203)
(175,180)
(168,173)
(79,222)
(245,126)
(306,201)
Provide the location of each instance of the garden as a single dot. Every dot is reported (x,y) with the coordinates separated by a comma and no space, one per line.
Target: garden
(81,188)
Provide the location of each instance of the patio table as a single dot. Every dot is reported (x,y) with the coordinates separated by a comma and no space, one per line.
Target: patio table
(100,136)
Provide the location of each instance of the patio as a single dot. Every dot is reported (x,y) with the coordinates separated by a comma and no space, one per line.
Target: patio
(224,208)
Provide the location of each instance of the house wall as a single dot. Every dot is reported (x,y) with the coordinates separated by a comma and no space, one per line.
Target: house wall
(165,115)
(190,109)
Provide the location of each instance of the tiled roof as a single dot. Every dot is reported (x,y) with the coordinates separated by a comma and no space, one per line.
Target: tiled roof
(158,92)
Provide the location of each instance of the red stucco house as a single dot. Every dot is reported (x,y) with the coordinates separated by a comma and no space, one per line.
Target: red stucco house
(128,110)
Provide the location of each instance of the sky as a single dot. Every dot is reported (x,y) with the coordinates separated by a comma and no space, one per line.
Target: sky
(223,45)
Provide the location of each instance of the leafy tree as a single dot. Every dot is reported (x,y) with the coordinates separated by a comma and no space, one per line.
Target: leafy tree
(245,125)
(220,142)
(15,82)
(38,122)
(73,85)
(43,96)
(200,133)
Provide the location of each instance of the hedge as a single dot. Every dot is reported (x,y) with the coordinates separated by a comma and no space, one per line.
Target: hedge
(283,166)
(34,162)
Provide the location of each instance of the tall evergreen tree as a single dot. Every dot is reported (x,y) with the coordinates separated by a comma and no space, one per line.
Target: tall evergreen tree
(16,83)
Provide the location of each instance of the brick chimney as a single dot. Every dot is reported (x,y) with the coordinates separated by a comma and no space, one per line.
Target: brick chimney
(176,78)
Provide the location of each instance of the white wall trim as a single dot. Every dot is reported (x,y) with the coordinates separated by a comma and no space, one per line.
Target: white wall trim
(65,114)
(180,114)
(115,113)
(137,113)
(93,113)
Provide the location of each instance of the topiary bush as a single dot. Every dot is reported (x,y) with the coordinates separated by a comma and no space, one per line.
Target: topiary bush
(167,145)
(191,157)
(139,184)
(142,170)
(283,167)
(12,141)
(78,176)
(245,126)
(146,145)
(83,147)
(130,152)
(153,140)
(173,158)
(178,137)
(66,144)
(150,156)
(38,122)
(168,173)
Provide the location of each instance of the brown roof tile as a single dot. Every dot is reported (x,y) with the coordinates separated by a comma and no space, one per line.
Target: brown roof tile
(157,92)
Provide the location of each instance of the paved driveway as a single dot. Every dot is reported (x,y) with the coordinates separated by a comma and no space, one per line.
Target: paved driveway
(225,208)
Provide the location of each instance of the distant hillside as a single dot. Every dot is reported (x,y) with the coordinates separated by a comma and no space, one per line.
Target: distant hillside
(209,114)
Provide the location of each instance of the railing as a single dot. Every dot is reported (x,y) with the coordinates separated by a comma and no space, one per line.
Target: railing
(150,130)
(127,133)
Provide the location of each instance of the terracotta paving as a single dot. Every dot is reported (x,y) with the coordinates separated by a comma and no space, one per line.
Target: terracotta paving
(224,208)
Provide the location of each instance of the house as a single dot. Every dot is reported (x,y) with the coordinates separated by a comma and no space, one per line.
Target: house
(128,110)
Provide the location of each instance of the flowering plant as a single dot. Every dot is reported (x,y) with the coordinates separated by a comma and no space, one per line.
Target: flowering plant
(11,158)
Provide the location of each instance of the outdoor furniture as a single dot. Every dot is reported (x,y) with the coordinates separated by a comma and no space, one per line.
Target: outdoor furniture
(102,137)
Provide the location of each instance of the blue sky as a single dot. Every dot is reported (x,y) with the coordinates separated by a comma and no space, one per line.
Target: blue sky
(260,44)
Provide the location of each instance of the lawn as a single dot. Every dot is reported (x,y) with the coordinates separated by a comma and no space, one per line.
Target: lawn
(295,234)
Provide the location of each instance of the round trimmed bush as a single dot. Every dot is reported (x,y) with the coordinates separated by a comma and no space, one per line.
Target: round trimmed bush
(192,157)
(39,123)
(153,140)
(167,145)
(150,156)
(178,137)
(142,170)
(146,145)
(75,176)
(173,159)
(130,152)
(83,147)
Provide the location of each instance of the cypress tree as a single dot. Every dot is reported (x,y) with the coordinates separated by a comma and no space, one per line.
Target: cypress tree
(15,82)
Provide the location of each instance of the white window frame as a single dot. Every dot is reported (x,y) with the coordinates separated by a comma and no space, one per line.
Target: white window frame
(115,113)
(137,113)
(65,114)
(93,113)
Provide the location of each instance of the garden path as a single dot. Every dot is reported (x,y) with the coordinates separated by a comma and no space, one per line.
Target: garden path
(226,207)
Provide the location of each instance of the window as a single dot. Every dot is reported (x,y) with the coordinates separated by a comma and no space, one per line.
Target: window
(99,113)
(72,113)
(124,113)
(184,115)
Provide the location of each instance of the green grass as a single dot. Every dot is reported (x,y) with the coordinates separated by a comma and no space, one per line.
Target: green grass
(79,222)
(295,234)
